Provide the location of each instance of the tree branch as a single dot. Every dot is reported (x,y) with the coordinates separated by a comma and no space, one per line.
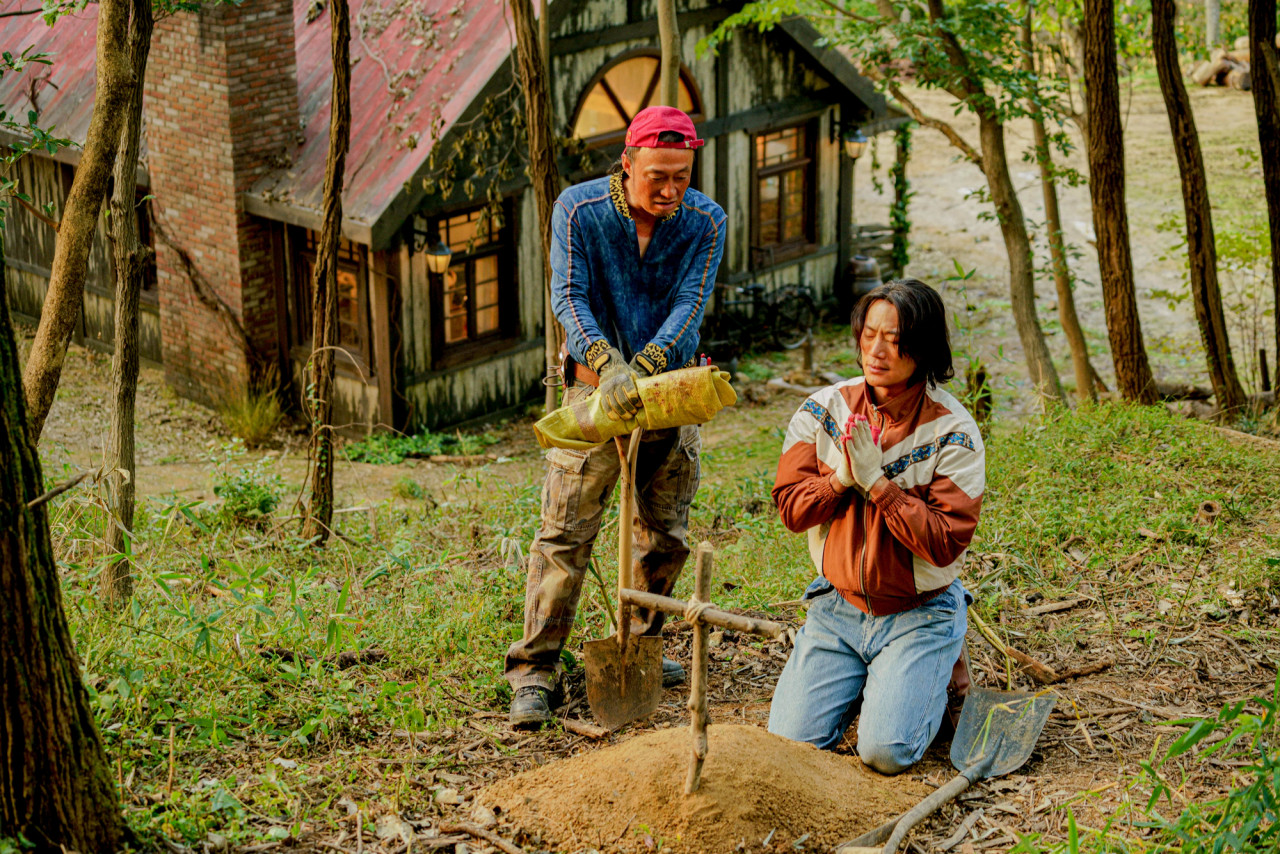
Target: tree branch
(955,53)
(953,136)
(38,214)
(850,15)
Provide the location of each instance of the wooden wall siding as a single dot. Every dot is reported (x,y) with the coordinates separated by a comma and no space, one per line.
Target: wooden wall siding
(478,389)
(29,245)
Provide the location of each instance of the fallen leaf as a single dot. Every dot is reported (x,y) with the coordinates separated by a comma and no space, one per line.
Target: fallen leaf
(392,826)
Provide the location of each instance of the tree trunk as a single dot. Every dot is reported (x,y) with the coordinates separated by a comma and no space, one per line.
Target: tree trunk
(317,523)
(116,584)
(1202,256)
(669,41)
(55,780)
(1110,217)
(1266,104)
(1212,23)
(80,216)
(1022,283)
(549,323)
(1053,224)
(543,172)
(994,162)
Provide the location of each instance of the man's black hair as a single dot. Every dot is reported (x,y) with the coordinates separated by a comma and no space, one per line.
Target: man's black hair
(630,151)
(922,327)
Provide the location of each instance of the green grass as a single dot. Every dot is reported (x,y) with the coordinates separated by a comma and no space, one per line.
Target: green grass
(440,590)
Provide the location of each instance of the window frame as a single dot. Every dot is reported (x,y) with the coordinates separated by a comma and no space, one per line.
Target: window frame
(444,355)
(357,361)
(616,137)
(764,255)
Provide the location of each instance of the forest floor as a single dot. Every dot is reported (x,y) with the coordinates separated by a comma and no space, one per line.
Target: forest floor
(1094,551)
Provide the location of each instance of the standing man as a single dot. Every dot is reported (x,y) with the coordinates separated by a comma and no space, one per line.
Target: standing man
(634,257)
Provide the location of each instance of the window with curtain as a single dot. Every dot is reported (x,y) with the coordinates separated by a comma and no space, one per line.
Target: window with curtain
(475,302)
(783,195)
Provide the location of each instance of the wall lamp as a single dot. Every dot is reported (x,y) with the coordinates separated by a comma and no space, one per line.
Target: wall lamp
(851,137)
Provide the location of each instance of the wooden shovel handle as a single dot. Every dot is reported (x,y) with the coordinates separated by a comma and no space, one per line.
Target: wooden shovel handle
(626,513)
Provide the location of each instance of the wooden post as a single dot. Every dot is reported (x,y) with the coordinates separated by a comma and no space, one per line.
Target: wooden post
(698,717)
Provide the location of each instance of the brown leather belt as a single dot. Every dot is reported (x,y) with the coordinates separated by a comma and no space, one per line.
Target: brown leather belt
(583,374)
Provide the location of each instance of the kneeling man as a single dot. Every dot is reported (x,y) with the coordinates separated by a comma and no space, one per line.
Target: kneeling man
(886,473)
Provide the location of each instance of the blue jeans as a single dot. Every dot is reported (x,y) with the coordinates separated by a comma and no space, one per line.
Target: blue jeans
(897,667)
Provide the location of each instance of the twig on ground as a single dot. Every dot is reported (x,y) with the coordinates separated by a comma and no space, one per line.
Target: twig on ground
(1042,673)
(342,661)
(480,833)
(1086,670)
(583,728)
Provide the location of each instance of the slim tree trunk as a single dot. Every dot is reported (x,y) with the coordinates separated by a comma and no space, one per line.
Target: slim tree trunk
(543,172)
(1266,104)
(131,258)
(1053,223)
(1110,217)
(549,323)
(80,215)
(1022,283)
(669,41)
(994,162)
(55,781)
(1212,23)
(1202,255)
(318,520)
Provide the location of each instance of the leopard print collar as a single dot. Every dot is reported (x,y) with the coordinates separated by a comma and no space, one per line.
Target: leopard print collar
(619,197)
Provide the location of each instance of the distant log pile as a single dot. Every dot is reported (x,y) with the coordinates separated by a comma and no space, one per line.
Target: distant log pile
(1227,67)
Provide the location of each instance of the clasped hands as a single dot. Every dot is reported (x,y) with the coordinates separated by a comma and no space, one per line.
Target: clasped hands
(860,459)
(618,390)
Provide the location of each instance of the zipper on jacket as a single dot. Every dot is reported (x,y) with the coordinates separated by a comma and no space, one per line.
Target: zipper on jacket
(862,559)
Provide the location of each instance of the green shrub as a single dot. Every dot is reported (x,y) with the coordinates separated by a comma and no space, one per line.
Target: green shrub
(407,488)
(249,493)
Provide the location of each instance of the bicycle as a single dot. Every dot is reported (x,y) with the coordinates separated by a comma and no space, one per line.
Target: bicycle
(782,318)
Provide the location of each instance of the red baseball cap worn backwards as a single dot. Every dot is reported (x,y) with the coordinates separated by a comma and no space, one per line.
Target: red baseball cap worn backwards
(651,121)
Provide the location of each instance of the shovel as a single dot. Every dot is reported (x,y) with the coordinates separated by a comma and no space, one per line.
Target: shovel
(624,672)
(995,736)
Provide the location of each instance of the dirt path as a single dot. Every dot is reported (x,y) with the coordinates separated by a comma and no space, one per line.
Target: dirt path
(947,228)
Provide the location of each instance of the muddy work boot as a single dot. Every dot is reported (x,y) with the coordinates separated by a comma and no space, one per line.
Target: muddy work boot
(672,673)
(530,708)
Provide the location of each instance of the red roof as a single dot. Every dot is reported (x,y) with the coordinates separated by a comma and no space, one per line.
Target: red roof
(436,69)
(436,54)
(63,90)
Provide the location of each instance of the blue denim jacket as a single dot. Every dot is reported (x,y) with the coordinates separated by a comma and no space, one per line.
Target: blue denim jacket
(605,294)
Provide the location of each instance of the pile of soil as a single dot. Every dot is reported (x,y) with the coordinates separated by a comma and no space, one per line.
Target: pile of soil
(754,784)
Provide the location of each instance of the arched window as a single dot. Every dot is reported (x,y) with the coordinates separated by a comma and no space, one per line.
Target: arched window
(620,90)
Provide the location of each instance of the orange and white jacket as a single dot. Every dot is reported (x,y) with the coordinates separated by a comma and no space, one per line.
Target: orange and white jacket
(895,551)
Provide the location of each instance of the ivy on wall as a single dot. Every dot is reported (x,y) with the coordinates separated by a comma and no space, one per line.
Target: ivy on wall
(899,219)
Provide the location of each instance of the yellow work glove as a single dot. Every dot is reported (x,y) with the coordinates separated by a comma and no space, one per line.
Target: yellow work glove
(618,390)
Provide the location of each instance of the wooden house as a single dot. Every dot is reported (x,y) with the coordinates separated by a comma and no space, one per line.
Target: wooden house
(236,123)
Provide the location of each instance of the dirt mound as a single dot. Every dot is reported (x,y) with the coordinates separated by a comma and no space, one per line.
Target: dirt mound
(753,784)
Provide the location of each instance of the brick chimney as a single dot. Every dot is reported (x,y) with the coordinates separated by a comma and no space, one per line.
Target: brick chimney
(222,111)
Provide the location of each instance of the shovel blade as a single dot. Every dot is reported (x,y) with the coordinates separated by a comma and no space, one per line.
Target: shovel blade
(1000,725)
(619,691)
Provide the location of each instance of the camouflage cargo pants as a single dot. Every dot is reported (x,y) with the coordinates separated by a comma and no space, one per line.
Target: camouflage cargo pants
(577,485)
